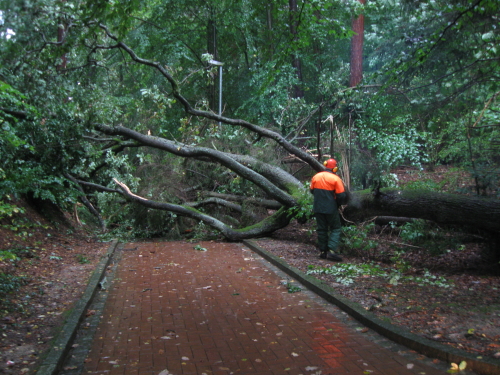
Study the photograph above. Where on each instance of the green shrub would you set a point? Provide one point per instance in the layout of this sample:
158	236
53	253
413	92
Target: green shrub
356	239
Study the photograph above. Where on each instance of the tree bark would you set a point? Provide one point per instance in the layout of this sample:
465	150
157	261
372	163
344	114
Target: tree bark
442	208
273	205
358	26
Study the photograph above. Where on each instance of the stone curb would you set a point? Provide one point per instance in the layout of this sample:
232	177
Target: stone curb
64	339
399	335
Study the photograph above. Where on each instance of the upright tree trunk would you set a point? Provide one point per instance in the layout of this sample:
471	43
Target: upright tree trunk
296	63
358	26
270	27
61	31
212	49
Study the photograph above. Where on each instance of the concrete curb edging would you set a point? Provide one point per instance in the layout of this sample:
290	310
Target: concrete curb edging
392	332
64	339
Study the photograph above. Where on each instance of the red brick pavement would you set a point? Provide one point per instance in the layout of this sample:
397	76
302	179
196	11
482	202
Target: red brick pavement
176	310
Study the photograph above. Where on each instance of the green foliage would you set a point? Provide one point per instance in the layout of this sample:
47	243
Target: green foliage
33	151
356	239
487	177
430	237
7	255
394	143
400	264
82	259
200	248
303	211
346	274
290	287
414	231
423	184
7	210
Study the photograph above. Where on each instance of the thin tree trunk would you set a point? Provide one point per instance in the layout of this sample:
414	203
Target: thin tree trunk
212	49
296	63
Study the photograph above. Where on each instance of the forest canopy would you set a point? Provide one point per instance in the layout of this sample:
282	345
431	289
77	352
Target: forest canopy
160	116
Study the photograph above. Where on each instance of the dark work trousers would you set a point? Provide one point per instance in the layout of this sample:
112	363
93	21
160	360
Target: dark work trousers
329	230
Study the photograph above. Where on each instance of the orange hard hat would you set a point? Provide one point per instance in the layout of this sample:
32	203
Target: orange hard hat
330	164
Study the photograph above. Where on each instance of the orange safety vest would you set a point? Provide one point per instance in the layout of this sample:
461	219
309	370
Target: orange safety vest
325	186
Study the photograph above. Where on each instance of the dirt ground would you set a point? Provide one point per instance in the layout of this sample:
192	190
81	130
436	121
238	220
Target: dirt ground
56	258
55	262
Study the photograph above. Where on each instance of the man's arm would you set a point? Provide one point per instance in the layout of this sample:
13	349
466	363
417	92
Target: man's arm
341	199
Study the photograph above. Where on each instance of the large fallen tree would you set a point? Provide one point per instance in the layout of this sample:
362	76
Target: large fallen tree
280	191
451	209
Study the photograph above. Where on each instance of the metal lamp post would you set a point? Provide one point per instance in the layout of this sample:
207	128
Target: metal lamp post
219	64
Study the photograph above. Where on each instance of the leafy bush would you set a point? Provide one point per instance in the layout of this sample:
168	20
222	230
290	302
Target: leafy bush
304	209
429	237
35	149
8	209
414	231
356	239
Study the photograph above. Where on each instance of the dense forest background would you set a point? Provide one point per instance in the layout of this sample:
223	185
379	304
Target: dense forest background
149	94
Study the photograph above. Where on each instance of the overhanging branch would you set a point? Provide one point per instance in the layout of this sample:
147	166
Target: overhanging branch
263	132
225	159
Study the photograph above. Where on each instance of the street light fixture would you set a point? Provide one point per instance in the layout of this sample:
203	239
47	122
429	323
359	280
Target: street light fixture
219	64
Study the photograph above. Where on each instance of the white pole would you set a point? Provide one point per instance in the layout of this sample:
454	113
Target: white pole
219	64
220	92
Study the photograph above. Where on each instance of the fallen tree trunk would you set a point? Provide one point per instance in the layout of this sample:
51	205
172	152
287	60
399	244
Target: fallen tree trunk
268	203
442	208
278	220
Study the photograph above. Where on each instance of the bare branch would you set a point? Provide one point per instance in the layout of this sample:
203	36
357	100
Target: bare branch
15	113
225	159
86	202
218	201
279	220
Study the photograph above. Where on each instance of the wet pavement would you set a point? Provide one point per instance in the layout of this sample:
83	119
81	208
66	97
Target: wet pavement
218	308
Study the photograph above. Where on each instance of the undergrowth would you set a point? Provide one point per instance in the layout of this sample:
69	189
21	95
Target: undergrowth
347	274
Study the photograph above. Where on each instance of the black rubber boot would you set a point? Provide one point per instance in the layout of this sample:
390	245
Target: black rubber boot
333	257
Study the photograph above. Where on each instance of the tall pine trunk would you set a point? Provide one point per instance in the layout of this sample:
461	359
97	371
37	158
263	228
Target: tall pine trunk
358	26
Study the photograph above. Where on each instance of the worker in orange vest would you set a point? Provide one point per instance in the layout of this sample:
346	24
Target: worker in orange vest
329	194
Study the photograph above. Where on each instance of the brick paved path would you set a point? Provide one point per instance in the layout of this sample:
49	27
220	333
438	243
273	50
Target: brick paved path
175	310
